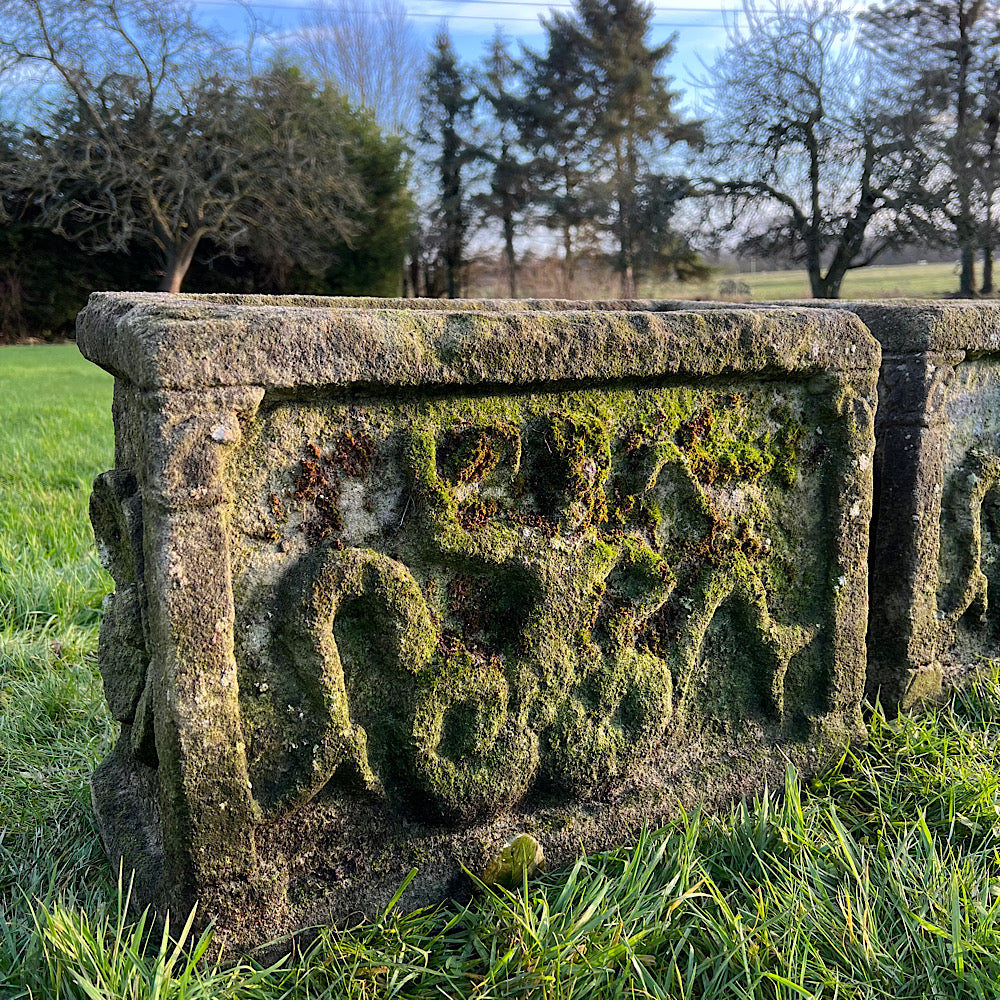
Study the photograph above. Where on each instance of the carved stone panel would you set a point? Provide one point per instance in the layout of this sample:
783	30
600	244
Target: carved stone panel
394	585
969	586
934	528
934	532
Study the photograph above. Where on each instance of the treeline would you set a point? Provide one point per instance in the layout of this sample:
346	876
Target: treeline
155	156
824	139
578	139
149	153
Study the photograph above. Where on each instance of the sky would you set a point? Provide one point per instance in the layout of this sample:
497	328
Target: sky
700	25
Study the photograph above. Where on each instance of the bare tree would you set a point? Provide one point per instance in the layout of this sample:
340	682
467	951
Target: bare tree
142	144
801	142
370	50
945	56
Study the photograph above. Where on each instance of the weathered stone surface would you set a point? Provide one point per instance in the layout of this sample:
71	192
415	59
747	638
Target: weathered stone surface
935	561
395	585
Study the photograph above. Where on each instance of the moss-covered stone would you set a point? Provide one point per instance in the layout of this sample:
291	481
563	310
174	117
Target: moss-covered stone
475	569
559	548
519	860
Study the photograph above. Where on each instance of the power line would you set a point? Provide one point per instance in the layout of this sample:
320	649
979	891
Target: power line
440	15
561	6
667	9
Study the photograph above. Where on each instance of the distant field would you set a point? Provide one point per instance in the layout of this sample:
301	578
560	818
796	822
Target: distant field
882	281
885	281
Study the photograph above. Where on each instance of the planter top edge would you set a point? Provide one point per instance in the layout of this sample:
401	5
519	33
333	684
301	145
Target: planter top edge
192	342
902	326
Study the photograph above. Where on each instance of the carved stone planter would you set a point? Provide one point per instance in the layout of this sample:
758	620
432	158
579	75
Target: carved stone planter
395	584
935	536
935	565
934	570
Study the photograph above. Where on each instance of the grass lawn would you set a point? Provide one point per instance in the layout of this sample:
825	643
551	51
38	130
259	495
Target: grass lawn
880	879
933	281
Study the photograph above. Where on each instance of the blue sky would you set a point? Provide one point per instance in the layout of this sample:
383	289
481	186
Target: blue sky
698	24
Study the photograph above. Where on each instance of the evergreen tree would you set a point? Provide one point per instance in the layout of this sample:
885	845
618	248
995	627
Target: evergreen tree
635	121
557	126
603	120
446	115
507	194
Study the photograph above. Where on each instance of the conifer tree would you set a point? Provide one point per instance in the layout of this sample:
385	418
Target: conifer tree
635	121
446	114
557	127
498	147
604	122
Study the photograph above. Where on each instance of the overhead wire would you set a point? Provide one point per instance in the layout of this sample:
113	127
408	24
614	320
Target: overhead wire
447	15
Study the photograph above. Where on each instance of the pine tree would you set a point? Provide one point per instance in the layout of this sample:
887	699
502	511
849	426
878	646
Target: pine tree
557	126
635	118
446	112
604	121
507	194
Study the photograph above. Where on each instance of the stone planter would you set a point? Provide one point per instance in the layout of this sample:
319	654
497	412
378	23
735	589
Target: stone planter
934	567
394	584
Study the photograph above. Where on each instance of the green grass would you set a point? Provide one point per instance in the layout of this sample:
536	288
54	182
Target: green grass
880	879
933	281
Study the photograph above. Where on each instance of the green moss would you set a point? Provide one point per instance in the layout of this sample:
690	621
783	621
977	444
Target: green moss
728	442
570	469
561	555
611	720
470	454
788	440
471	759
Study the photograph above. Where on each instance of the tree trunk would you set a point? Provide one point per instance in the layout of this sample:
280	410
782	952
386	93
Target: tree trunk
967	278
987	239
178	262
811	235
828	285
962	166
628	282
817	286
412	277
508	239
172	278
569	263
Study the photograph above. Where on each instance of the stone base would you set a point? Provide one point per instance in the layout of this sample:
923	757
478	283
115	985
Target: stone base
394	585
125	795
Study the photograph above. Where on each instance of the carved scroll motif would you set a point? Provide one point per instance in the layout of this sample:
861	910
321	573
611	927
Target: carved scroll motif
116	515
970	537
558	664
